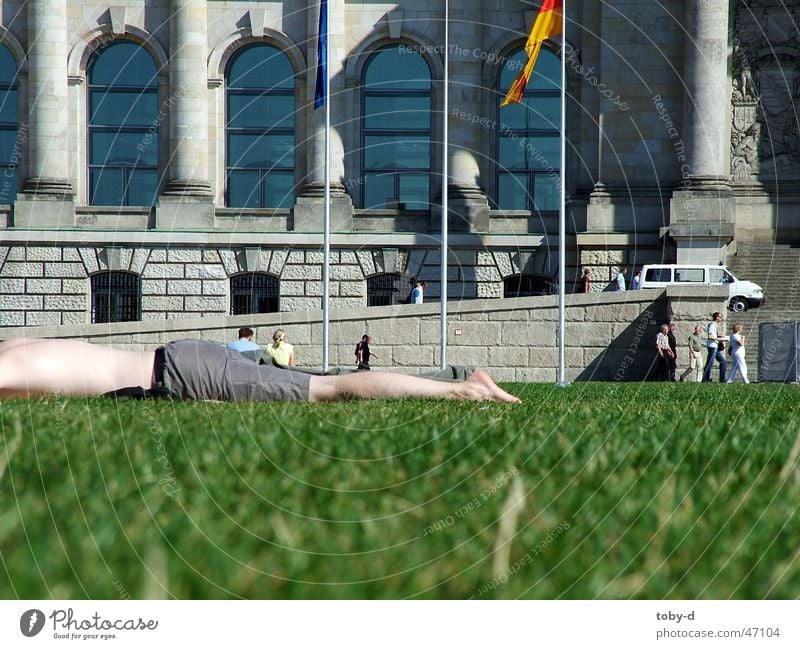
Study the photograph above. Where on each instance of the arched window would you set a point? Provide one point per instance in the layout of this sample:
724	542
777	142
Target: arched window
528	142
116	297
387	289
255	293
260	128
10	145
396	130
123	126
524	285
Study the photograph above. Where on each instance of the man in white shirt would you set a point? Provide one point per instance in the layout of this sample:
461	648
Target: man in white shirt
715	330
418	291
620	280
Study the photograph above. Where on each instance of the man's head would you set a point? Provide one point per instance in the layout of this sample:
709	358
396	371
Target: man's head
246	333
623	270
717	316
698	330
672	326
664	328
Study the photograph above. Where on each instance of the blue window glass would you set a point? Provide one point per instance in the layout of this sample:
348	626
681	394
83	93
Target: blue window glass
123	126
396	130
528	137
10	142
260	128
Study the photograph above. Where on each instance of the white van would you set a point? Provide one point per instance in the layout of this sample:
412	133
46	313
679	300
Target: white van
743	295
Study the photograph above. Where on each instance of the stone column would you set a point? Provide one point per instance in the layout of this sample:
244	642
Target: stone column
308	209
702	209
187	201
47	199
468	205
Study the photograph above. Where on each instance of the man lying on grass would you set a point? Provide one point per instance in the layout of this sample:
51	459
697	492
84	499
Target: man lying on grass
200	370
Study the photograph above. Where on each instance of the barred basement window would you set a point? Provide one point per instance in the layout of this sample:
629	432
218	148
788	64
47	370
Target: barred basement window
254	293
527	286
116	297
385	290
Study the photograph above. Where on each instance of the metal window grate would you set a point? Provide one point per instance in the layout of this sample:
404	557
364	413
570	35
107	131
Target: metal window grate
254	293
382	290
527	286
116	297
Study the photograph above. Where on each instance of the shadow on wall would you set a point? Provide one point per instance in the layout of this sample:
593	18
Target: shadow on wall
631	354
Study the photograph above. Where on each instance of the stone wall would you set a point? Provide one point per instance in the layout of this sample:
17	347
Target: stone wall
609	336
43	285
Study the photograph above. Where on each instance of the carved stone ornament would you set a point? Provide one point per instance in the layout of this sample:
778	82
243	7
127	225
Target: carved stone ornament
765	139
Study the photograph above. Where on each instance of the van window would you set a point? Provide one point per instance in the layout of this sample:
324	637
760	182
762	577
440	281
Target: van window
689	275
720	276
659	275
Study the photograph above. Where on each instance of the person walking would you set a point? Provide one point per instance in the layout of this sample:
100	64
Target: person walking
737	354
410	298
417	294
664	353
673	347
636	281
282	353
619	281
695	344
363	353
586	281
715	344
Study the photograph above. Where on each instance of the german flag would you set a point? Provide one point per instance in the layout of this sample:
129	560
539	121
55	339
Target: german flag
547	25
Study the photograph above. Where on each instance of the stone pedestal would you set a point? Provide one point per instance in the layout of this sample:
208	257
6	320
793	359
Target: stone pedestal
468	210
54	211
184	212
309	210
702	225
600	210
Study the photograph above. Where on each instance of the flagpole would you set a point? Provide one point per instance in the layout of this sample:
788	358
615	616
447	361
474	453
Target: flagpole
326	221
562	268
445	207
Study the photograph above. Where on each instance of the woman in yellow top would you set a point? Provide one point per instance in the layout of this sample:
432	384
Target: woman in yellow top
281	351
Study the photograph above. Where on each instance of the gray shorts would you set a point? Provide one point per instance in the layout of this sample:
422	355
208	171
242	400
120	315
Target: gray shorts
201	370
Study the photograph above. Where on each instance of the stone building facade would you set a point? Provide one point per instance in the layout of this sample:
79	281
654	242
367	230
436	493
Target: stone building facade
136	195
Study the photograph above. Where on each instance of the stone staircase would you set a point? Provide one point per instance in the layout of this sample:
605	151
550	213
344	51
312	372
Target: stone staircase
776	268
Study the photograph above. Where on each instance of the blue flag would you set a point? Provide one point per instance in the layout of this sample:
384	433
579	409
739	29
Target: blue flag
322	55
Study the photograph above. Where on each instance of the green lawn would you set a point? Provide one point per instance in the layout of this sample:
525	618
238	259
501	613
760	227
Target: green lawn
598	490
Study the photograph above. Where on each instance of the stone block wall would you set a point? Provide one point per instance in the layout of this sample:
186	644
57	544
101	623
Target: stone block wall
50	285
609	336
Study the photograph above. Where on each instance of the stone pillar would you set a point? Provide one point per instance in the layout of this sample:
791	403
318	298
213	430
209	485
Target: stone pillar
309	206
47	198
187	202
702	209
468	205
